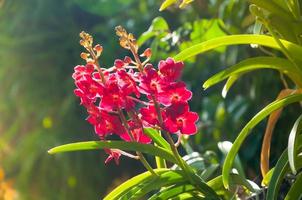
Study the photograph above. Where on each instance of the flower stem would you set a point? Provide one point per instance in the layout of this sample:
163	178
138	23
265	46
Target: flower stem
96	62
140	155
181	163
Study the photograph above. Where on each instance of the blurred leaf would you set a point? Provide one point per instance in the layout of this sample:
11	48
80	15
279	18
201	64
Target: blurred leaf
272	7
209	171
193	159
166	4
104	7
159	27
295	190
184	3
225	148
235	179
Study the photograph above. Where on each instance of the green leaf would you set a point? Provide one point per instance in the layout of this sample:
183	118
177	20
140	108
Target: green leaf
217	184
247	129
245	66
175	190
158	27
209	171
190	195
295	190
157	138
124	187
165	179
293	144
139	186
231	80
279	173
166	4
267	177
128	146
194	160
225	148
268	41
272	7
280	170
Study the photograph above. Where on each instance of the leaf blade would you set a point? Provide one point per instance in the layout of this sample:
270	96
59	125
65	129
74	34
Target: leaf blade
130	146
245	66
293	144
246	130
263	40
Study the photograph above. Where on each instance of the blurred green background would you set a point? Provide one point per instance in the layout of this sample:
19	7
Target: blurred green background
38	50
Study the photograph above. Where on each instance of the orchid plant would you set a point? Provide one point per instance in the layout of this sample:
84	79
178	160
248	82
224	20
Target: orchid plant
146	105
132	96
143	105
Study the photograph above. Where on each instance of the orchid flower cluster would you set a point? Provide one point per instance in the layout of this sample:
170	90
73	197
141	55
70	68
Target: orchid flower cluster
133	94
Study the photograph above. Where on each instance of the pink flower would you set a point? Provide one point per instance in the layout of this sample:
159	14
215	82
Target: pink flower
88	89
81	71
113	97
109	124
149	115
173	93
127	84
150	82
179	118
119	64
113	155
137	133
170	70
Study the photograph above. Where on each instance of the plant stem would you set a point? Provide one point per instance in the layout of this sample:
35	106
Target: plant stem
181	163
160	162
140	155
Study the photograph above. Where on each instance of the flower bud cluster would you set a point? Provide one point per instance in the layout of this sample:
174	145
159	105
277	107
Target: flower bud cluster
132	95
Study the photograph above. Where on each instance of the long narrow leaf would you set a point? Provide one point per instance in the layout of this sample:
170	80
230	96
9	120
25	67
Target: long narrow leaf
217	184
128	146
126	186
166	4
247	129
175	190
231	80
280	64
272	120
190	195
280	170
294	192
157	138
293	144
268	41
166	179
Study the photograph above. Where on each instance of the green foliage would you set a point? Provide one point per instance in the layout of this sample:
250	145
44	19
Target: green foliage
36	42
